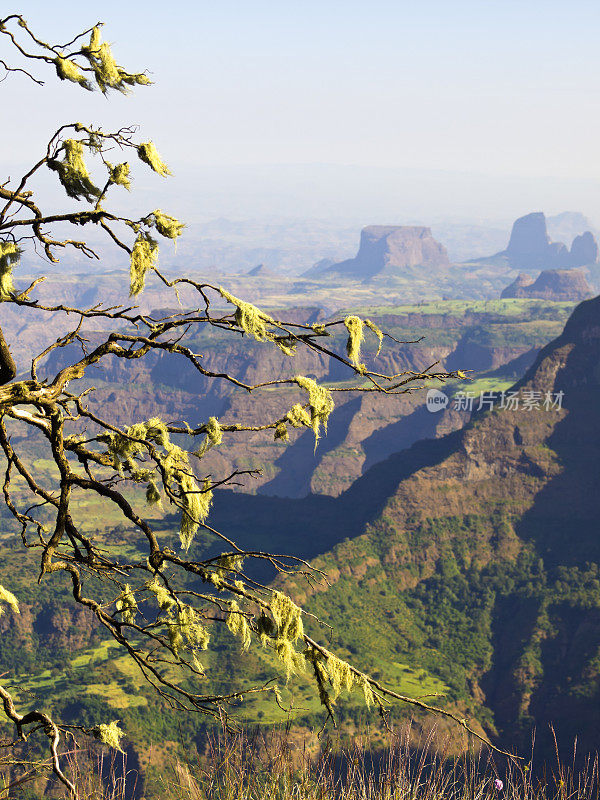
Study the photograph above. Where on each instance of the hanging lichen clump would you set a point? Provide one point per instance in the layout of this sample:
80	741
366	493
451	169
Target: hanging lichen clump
108	74
119	174
287	616
251	319
73	173
287	630
183	623
214	436
281	432
256	323
174	463
148	153
110	734
238	624
354	326
166	225
185	628
8	598
143	258
127	605
68	70
320	402
196	505
164	598
378	333
9	256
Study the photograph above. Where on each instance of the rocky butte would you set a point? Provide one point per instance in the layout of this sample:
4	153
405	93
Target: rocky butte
551	284
530	247
388	251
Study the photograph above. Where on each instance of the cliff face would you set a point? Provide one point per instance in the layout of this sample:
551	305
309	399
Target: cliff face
363	429
480	559
389	249
551	284
530	246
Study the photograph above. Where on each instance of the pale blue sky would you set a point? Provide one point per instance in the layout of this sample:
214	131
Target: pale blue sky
504	88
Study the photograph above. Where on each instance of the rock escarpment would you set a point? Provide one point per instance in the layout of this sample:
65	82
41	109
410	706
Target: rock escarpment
388	250
487	552
567	285
530	247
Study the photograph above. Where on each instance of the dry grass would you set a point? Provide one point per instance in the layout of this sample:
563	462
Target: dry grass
259	768
281	766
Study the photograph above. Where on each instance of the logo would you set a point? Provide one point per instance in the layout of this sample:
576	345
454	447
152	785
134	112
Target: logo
436	400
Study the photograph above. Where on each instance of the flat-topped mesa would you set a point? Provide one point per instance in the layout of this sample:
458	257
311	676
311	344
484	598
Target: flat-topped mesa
530	246
567	285
387	250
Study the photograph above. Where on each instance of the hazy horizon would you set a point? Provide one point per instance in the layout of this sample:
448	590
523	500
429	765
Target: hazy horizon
489	108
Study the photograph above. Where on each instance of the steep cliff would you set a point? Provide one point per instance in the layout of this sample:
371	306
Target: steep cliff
480	558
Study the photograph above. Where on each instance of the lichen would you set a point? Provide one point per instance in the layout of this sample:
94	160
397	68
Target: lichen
9	256
186	627
196	505
110	734
164	598
119	174
8	598
281	431
238	624
367	691
340	674
108	74
298	417
148	153
68	70
127	605
214	436
166	225
378	333
229	562
153	497
123	447
320	402
287	616
251	319
73	173
143	258
286	346
354	326
293	661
